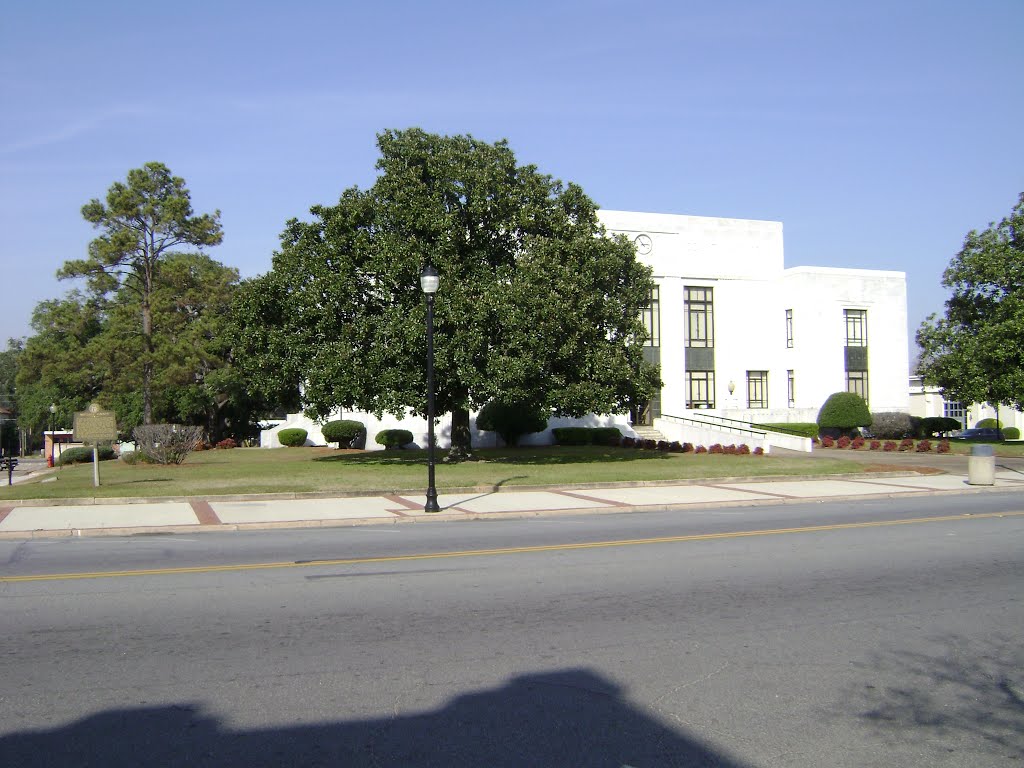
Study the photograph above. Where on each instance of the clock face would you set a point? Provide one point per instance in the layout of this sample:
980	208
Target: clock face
643	244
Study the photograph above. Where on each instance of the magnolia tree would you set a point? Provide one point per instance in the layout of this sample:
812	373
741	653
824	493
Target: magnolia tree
537	305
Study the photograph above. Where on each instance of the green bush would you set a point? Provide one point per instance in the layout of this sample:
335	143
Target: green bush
931	426
842	413
511	420
988	424
393	438
606	436
83	455
891	425
1011	433
345	432
293	437
801	428
572	435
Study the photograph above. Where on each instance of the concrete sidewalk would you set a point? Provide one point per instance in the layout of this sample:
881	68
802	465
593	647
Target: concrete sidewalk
25	519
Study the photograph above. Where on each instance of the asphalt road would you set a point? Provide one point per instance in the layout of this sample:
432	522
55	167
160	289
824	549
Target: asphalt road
877	633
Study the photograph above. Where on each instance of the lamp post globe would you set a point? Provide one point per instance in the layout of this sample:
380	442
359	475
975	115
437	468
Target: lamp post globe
430	281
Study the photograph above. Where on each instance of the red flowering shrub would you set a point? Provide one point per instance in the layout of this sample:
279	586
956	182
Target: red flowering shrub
843	442
924	446
876	444
858	442
827	442
759	451
687	447
942	447
700	449
743	450
716	448
890	445
675	447
907	444
227	442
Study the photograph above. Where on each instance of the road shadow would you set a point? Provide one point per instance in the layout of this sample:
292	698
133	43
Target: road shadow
969	695
573	718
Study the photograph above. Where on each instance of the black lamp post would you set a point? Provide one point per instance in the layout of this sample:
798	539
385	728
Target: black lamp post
53	411
429	282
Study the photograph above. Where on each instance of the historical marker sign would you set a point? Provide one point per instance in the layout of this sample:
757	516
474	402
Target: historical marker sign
95	426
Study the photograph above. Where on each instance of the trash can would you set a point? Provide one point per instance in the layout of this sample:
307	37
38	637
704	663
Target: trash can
981	466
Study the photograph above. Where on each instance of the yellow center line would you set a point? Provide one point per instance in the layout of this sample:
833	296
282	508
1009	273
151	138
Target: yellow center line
502	550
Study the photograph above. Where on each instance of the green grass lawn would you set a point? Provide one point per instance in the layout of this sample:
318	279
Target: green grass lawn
325	470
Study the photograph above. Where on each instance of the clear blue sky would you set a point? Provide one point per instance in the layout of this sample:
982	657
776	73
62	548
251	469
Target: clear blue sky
879	133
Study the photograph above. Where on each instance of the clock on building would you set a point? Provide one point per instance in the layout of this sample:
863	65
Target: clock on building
643	244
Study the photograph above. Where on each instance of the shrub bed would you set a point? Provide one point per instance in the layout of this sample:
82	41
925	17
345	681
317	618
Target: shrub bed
83	454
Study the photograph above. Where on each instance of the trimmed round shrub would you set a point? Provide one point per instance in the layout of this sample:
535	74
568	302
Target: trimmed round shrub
1011	433
842	413
924	446
988	424
891	425
83	455
932	426
345	432
572	435
942	447
393	439
511	420
293	437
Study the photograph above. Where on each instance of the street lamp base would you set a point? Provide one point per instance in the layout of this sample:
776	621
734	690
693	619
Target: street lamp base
431	505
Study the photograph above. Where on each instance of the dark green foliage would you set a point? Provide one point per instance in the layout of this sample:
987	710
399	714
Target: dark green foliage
511	420
392	439
572	435
1011	433
83	455
606	436
536	303
974	352
844	411
891	425
989	423
801	428
932	426
293	437
347	433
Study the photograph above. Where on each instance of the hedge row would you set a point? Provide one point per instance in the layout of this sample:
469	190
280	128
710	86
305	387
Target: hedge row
587	435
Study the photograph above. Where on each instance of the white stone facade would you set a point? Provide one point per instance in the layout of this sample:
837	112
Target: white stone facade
787	327
742	263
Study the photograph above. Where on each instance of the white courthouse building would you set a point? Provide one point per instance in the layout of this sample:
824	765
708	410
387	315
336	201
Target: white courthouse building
739	336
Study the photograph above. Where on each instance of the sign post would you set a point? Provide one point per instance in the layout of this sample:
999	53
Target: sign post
95	426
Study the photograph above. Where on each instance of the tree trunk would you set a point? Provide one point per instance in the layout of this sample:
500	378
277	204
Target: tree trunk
462	439
147	362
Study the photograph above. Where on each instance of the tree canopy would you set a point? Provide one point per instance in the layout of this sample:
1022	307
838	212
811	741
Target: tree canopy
536	304
143	222
86	347
975	353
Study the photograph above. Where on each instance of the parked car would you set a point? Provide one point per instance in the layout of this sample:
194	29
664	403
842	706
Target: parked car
982	434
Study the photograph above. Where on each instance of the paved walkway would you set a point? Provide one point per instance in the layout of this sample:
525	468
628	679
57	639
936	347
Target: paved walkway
23	519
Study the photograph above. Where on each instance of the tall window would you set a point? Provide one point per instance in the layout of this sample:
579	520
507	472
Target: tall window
700	321
789	328
757	389
791	388
955	410
856	327
651	316
857	381
700	389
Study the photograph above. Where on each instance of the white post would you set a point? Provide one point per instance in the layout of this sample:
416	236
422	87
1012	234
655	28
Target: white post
95	466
